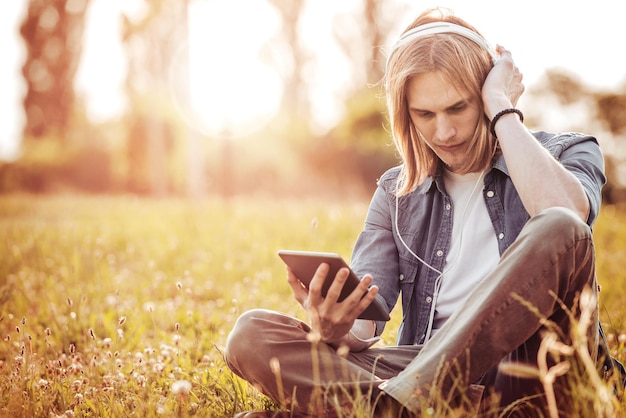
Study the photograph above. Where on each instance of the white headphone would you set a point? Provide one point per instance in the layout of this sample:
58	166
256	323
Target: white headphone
442	27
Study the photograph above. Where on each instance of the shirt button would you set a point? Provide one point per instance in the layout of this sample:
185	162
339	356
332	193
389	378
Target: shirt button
448	206
401	277
428	299
490	193
501	235
439	253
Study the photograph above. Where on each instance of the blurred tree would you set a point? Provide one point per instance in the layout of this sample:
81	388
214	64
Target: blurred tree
585	109
611	110
362	34
565	87
287	53
353	154
151	42
52	31
356	151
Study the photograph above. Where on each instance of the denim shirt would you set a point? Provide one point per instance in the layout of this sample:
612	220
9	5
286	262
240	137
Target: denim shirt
425	224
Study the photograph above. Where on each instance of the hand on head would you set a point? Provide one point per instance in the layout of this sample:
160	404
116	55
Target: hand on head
503	86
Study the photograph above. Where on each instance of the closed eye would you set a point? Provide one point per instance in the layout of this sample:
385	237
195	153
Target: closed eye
424	114
458	108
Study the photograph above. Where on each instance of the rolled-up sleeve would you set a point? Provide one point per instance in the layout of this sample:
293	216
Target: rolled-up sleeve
583	158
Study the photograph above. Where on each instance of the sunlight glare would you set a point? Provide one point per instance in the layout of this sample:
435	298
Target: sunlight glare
232	93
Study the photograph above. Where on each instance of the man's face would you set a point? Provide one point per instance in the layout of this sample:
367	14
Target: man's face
446	118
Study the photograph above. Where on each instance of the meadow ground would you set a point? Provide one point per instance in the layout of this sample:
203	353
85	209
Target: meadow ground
119	306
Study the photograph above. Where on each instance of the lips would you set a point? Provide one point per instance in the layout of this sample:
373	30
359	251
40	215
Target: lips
451	148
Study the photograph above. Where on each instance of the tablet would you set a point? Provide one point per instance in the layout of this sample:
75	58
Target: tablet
305	263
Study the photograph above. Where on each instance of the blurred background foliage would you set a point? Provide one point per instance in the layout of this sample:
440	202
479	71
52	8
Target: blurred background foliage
152	151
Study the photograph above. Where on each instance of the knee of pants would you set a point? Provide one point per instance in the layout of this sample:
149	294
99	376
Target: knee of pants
559	222
245	335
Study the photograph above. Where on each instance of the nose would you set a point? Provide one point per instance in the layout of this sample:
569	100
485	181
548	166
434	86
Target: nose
445	128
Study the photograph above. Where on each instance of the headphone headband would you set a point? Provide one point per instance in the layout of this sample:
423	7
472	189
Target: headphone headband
434	28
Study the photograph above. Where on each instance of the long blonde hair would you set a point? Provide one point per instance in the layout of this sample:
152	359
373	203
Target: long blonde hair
465	64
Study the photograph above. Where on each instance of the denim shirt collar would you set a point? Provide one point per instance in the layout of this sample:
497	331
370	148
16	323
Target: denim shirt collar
438	182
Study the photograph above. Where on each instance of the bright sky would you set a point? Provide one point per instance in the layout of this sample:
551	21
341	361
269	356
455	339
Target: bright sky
582	37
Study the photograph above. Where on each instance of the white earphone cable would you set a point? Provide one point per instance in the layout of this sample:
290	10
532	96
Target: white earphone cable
448	264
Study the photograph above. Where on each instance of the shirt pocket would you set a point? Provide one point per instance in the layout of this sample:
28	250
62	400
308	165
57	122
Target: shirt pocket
406	279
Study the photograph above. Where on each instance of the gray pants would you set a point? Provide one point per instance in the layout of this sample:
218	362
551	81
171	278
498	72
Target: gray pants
549	264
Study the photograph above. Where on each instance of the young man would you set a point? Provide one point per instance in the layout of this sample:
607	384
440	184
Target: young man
484	232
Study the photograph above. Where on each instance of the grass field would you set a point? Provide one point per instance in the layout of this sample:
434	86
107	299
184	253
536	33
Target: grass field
121	306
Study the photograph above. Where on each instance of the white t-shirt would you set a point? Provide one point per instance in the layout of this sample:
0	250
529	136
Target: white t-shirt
474	247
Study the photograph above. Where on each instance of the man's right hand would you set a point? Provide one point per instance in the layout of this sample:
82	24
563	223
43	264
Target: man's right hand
331	319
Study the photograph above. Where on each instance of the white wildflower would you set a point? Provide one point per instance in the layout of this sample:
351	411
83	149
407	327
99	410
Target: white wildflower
181	387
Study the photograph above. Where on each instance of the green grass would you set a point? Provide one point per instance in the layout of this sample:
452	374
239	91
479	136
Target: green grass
106	303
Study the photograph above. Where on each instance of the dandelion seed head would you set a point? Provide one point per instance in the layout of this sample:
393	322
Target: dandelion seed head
76	384
181	387
621	338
